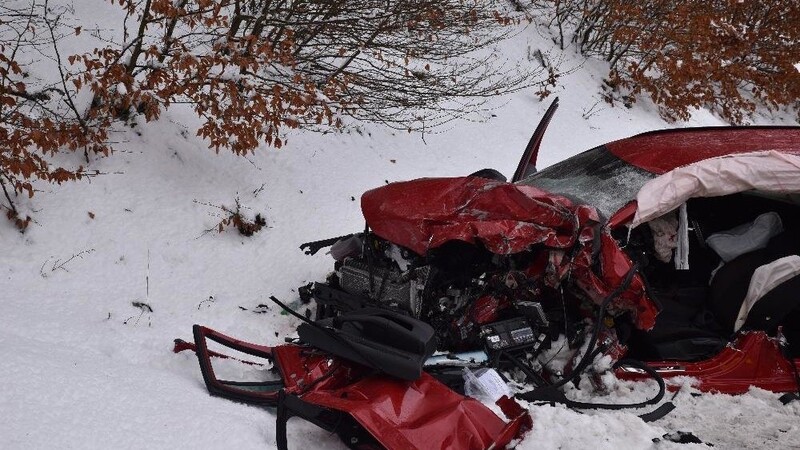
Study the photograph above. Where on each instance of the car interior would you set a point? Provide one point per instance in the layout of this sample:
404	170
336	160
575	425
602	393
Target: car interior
701	305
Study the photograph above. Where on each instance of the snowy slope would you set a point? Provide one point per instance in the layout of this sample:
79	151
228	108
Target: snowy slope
84	368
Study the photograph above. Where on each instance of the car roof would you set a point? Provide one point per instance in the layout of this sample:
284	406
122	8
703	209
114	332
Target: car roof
661	151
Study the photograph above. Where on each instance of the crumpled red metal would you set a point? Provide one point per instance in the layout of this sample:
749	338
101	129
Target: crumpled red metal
422	414
424	214
507	218
753	359
399	414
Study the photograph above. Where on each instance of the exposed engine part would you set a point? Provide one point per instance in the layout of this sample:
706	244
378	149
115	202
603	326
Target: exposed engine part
386	286
458	290
471	298
513	334
400	256
534	312
346	247
514	344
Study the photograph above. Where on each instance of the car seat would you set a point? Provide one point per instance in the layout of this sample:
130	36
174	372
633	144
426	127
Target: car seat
780	306
688	329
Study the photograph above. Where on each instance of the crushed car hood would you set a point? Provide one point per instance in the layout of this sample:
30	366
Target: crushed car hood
425	213
506	218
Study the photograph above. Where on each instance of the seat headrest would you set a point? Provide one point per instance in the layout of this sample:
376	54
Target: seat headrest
747	237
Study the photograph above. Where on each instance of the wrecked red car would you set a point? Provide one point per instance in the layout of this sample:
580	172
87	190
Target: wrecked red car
671	253
696	229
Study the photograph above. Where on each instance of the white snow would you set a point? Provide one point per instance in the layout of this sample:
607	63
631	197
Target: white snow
84	368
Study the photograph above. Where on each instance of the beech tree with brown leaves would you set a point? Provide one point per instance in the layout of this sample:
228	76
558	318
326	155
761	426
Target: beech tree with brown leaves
730	56
250	69
38	117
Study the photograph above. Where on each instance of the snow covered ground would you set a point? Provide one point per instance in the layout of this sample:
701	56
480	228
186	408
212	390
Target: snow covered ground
82	367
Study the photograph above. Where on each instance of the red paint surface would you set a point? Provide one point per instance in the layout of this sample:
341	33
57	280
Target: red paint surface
424	214
421	414
752	359
662	151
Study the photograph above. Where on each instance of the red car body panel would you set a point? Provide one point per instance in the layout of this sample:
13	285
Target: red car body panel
753	359
420	414
661	151
424	214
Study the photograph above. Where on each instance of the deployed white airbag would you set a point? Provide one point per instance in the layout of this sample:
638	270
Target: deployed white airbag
765	279
769	171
